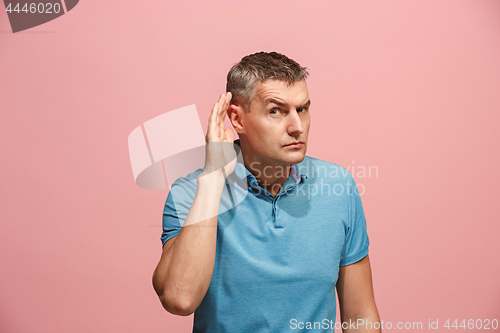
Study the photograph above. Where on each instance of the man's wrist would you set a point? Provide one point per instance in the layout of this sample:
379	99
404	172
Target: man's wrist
214	179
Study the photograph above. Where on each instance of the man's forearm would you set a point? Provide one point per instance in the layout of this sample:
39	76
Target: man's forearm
369	323
184	272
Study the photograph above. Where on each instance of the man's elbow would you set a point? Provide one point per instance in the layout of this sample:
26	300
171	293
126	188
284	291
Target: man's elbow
179	307
179	301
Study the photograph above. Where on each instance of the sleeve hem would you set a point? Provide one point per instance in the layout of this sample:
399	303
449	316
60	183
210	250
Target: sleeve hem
355	258
172	235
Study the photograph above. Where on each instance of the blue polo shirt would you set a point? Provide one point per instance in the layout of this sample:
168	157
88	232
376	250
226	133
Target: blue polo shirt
277	257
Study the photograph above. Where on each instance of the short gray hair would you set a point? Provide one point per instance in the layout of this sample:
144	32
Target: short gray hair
261	66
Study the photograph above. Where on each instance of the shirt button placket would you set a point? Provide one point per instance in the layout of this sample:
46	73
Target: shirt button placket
277	222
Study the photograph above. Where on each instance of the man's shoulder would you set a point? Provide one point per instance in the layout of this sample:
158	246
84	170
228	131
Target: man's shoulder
189	181
315	167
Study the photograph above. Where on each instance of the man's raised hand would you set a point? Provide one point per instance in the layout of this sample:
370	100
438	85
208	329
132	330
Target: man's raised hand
220	156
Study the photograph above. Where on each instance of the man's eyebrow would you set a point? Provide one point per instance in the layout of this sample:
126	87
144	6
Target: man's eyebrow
274	101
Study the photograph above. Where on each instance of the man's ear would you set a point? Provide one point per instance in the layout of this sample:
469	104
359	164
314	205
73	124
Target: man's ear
236	115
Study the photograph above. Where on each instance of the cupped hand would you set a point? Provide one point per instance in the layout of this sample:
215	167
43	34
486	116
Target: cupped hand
220	156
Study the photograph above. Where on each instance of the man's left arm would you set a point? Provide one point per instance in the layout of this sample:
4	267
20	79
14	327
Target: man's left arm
356	299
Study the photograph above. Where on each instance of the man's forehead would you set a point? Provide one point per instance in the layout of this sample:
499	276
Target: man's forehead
272	91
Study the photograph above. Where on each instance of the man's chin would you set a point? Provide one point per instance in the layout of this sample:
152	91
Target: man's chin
294	158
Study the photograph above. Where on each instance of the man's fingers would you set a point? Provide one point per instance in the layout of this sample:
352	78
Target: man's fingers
212	124
220	119
228	99
216	126
224	109
220	103
221	115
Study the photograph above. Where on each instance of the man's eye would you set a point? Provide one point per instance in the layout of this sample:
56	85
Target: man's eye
274	111
301	109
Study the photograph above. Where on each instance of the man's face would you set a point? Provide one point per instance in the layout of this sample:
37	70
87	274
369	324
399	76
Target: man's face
278	117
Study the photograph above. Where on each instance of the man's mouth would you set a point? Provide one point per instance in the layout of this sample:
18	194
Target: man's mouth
297	144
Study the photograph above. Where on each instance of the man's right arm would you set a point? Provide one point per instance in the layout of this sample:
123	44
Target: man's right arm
184	272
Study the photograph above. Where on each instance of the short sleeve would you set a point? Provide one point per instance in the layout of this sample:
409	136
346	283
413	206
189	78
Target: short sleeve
356	242
177	206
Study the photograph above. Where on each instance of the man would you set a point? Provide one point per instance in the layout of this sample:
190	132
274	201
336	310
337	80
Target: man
269	261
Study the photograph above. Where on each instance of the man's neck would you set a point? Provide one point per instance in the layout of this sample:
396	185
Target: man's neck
269	176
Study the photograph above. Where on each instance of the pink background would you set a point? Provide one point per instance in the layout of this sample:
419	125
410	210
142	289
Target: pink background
411	87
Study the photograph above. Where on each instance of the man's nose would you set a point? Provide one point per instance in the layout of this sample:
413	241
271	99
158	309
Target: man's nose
295	126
